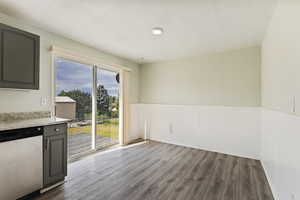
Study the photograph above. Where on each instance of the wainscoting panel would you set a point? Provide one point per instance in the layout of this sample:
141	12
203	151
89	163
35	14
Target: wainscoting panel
280	153
230	130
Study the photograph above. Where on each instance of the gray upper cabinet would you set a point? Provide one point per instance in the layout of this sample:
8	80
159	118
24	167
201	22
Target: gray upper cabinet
19	58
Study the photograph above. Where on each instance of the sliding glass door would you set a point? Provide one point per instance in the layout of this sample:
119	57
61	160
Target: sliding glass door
107	132
74	100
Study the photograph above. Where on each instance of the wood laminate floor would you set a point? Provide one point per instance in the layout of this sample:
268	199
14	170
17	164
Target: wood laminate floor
158	171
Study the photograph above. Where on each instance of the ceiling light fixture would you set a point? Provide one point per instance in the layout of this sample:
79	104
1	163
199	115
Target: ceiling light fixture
157	31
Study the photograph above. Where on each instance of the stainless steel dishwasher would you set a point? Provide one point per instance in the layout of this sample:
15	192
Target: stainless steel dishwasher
21	162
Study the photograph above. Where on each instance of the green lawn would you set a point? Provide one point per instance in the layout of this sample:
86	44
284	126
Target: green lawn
109	128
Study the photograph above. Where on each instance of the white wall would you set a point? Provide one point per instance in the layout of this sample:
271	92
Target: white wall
280	152
136	122
280	84
24	101
230	78
231	130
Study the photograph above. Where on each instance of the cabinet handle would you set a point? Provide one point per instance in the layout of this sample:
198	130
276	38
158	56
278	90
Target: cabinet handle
47	144
57	129
45	147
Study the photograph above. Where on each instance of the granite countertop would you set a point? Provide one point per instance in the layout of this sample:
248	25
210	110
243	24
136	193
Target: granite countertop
16	124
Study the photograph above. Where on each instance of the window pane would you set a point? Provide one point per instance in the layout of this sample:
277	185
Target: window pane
107	108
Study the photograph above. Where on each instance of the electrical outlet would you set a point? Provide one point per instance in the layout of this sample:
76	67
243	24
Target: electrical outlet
294	104
43	101
170	128
293	197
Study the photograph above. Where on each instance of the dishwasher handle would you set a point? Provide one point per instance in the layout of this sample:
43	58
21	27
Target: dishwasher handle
18	134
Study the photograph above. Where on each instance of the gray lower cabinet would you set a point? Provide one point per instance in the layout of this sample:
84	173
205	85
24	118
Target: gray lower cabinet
55	154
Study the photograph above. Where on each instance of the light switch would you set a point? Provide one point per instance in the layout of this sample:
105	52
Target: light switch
43	101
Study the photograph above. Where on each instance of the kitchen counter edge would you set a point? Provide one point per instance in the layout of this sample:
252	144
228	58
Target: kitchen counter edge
18	124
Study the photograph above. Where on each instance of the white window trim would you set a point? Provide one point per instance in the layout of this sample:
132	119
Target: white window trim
58	52
68	54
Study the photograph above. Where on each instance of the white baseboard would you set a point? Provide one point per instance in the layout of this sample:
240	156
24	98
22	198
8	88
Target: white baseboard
269	181
196	147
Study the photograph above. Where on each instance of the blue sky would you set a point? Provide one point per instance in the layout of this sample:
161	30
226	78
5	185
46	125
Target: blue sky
71	75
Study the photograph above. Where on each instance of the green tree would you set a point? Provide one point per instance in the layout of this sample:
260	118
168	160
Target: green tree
83	102
103	101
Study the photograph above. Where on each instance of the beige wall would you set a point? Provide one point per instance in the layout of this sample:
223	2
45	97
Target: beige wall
23	101
231	79
281	59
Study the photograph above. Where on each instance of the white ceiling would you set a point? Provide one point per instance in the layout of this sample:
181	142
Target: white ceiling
123	27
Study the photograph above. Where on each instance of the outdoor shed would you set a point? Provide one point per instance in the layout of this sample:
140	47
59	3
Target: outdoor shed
65	107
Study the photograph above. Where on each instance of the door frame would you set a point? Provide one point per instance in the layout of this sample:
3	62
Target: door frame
57	52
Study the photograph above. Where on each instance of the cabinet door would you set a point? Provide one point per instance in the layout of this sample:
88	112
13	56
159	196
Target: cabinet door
55	159
19	56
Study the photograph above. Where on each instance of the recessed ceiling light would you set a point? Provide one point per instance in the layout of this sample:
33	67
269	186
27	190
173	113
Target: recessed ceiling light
157	31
